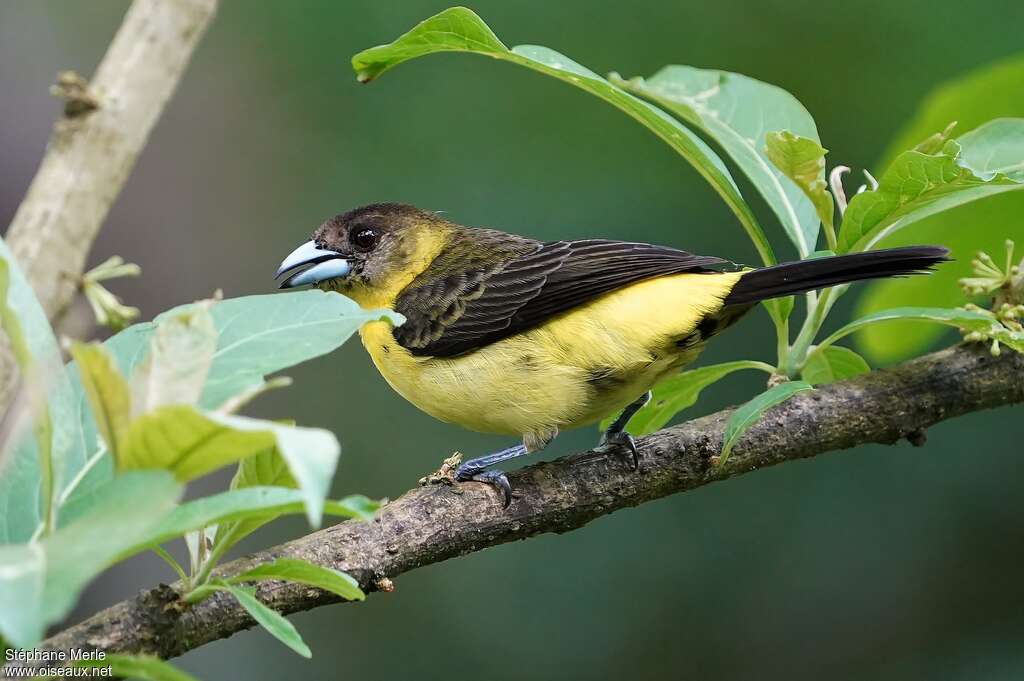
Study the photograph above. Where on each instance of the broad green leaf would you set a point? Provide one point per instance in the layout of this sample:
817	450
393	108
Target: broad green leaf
833	363
992	91
737	112
22	576
748	414
266	468
295	570
961	319
180	355
106	392
21	476
189	444
141	667
311	455
261	504
276	625
984	226
460	30
680	392
133	504
802	160
257	335
918	185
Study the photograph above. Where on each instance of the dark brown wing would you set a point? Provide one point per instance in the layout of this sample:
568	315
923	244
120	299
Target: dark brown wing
464	311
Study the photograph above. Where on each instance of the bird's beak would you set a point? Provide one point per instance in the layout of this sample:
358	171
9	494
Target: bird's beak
325	265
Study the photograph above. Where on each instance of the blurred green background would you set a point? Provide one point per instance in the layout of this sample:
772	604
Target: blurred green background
878	563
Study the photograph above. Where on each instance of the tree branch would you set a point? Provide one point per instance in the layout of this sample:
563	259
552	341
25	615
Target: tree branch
432	524
93	147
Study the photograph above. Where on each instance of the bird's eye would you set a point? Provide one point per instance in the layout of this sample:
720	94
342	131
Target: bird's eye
365	239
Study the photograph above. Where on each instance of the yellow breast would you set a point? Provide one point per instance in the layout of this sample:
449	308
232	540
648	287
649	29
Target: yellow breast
570	371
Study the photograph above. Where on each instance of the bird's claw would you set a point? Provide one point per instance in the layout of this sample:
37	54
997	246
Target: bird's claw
621	439
495	478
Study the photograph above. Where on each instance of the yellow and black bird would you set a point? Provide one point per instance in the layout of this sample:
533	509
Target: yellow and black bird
509	335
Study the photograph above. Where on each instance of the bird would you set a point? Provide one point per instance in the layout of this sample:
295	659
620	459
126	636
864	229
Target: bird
509	335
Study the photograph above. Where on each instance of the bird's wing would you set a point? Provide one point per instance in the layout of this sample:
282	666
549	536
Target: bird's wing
472	308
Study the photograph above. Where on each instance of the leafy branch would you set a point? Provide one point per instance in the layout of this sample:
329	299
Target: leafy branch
431	524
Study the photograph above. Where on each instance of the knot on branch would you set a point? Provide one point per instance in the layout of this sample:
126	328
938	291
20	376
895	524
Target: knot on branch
73	89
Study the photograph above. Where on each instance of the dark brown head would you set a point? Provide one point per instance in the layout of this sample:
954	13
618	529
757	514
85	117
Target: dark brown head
369	253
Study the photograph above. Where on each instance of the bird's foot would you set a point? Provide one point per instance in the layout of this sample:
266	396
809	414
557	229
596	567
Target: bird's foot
620	439
445	474
495	478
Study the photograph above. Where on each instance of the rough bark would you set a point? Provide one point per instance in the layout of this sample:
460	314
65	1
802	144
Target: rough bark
431	524
93	147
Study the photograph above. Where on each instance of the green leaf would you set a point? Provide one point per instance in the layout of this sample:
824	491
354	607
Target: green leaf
266	468
257	335
983	225
984	162
736	112
276	625
258	504
22	576
187	443
991	91
142	667
311	455
680	392
34	468
748	414
460	30
833	363
302	572
106	392
41	582
180	354
962	319
802	160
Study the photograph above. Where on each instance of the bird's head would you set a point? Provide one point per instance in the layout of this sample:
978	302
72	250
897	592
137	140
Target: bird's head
370	253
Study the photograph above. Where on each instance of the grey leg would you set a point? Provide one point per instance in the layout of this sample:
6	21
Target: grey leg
616	434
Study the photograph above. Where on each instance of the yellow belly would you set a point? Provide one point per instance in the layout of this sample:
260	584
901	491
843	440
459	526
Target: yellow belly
576	368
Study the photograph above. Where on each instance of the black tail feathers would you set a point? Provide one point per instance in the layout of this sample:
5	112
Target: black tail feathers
807	275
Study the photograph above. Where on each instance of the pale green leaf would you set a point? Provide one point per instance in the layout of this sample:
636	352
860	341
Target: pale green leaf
22	481
180	355
680	392
276	625
302	572
265	469
132	505
748	414
460	30
919	185
984	226
992	91
106	392
257	335
311	455
258	503
961	319
802	160
833	363
187	443
22	576
141	667
737	112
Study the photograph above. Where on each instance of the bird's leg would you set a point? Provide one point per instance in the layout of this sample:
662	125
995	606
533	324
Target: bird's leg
616	435
474	469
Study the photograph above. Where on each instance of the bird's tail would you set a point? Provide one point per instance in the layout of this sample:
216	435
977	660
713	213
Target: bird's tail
807	275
